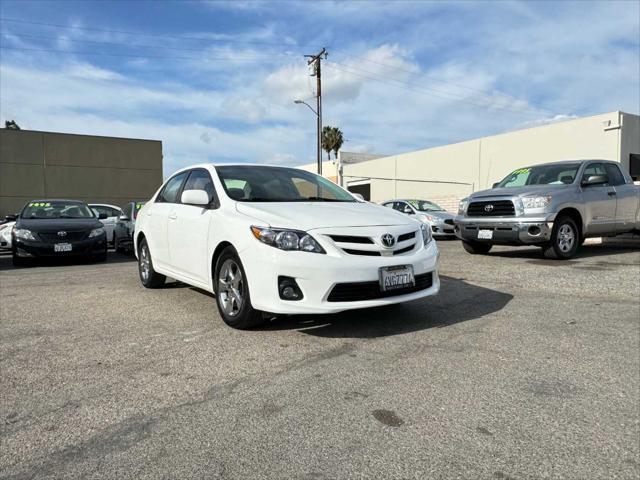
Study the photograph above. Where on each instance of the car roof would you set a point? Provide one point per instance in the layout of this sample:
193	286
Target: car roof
103	205
570	162
56	200
236	164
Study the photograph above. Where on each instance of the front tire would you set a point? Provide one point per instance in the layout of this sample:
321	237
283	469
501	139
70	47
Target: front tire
476	248
565	239
19	261
148	276
232	292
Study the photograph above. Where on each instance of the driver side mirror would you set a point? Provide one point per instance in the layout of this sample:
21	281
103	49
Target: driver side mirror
593	180
195	197
10	218
123	218
408	210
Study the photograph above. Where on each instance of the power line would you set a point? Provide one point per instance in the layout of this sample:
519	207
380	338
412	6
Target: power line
425	90
167	57
143	34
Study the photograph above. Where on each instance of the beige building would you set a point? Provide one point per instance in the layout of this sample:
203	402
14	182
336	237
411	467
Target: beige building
80	167
448	173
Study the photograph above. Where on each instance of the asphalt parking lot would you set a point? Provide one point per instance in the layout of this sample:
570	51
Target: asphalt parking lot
521	368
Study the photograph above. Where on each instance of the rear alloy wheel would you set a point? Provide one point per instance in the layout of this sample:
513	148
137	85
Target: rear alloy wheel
232	292
565	239
148	276
476	248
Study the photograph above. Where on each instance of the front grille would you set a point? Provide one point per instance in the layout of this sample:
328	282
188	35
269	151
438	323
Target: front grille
350	239
449	221
53	237
369	253
501	208
358	291
406	236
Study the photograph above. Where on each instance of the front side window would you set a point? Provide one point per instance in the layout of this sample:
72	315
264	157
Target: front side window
425	206
57	209
614	174
169	193
200	180
278	184
552	174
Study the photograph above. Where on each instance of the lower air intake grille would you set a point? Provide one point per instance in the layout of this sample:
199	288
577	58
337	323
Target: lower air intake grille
358	291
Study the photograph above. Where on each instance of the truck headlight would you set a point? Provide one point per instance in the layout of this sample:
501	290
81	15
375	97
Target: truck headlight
285	239
536	201
23	234
426	233
462	207
96	232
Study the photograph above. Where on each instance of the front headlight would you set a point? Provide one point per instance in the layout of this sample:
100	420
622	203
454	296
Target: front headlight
23	234
426	234
536	201
96	232
287	239
462	206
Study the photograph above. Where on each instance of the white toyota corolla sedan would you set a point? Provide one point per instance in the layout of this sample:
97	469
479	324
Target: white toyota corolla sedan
282	241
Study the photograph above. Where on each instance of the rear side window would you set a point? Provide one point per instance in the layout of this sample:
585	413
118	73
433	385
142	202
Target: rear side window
615	176
169	193
200	180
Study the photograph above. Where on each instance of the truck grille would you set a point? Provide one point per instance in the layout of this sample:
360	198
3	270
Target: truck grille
495	208
358	291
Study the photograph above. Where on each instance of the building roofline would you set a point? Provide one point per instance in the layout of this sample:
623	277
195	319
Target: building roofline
79	135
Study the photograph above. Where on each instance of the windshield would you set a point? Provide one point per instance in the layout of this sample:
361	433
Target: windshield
425	206
278	184
57	209
559	174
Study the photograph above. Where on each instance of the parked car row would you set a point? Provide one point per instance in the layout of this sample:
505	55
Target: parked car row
62	228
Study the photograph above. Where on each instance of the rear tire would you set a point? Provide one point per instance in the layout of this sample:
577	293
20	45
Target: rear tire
476	248
232	292
565	240
148	276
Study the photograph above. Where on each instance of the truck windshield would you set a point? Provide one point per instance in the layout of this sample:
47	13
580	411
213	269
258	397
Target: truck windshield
252	183
558	174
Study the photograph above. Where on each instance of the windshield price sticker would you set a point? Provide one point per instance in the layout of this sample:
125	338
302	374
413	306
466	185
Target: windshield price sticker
40	204
522	171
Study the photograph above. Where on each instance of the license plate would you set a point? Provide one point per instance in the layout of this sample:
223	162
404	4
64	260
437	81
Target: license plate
62	247
392	278
485	234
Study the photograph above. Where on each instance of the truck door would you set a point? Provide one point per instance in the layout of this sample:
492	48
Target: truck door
627	199
599	202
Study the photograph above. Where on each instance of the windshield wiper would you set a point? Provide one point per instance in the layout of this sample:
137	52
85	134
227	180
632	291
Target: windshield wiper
321	199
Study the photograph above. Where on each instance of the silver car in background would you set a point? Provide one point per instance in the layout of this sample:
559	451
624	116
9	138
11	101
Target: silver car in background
440	221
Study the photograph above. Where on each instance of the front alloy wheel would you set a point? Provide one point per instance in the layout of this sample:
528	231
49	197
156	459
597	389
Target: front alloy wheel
232	292
148	276
565	239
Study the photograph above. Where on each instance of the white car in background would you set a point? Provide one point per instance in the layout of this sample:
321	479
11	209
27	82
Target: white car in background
5	235
112	212
440	221
280	240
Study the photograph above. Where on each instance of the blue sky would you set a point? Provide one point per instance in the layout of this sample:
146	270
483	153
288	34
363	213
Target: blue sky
216	80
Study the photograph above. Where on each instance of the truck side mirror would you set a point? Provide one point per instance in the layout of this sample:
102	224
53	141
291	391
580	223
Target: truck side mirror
593	180
495	185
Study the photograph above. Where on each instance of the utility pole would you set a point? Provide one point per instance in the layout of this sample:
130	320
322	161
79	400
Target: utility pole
315	60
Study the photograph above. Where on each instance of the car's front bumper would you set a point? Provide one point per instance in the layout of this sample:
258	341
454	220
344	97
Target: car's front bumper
30	248
317	275
516	231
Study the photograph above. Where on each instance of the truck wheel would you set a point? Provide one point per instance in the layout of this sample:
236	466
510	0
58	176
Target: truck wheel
476	248
232	292
148	276
565	239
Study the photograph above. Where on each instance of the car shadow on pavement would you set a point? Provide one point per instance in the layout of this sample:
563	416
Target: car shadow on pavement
112	257
458	301
585	251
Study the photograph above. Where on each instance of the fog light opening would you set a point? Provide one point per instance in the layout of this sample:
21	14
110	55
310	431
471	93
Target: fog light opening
534	230
289	289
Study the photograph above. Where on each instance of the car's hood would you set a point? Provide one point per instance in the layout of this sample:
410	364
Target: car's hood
517	191
310	215
440	214
51	224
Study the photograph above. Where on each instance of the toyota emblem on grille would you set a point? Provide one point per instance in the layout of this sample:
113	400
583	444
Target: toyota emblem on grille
388	240
488	208
62	233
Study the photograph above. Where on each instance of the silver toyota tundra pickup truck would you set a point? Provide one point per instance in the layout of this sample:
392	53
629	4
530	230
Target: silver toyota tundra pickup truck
554	205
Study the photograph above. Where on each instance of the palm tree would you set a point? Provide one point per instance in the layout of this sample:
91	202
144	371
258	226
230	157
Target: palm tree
331	140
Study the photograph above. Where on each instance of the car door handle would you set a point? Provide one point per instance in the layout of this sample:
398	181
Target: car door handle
611	194
173	216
